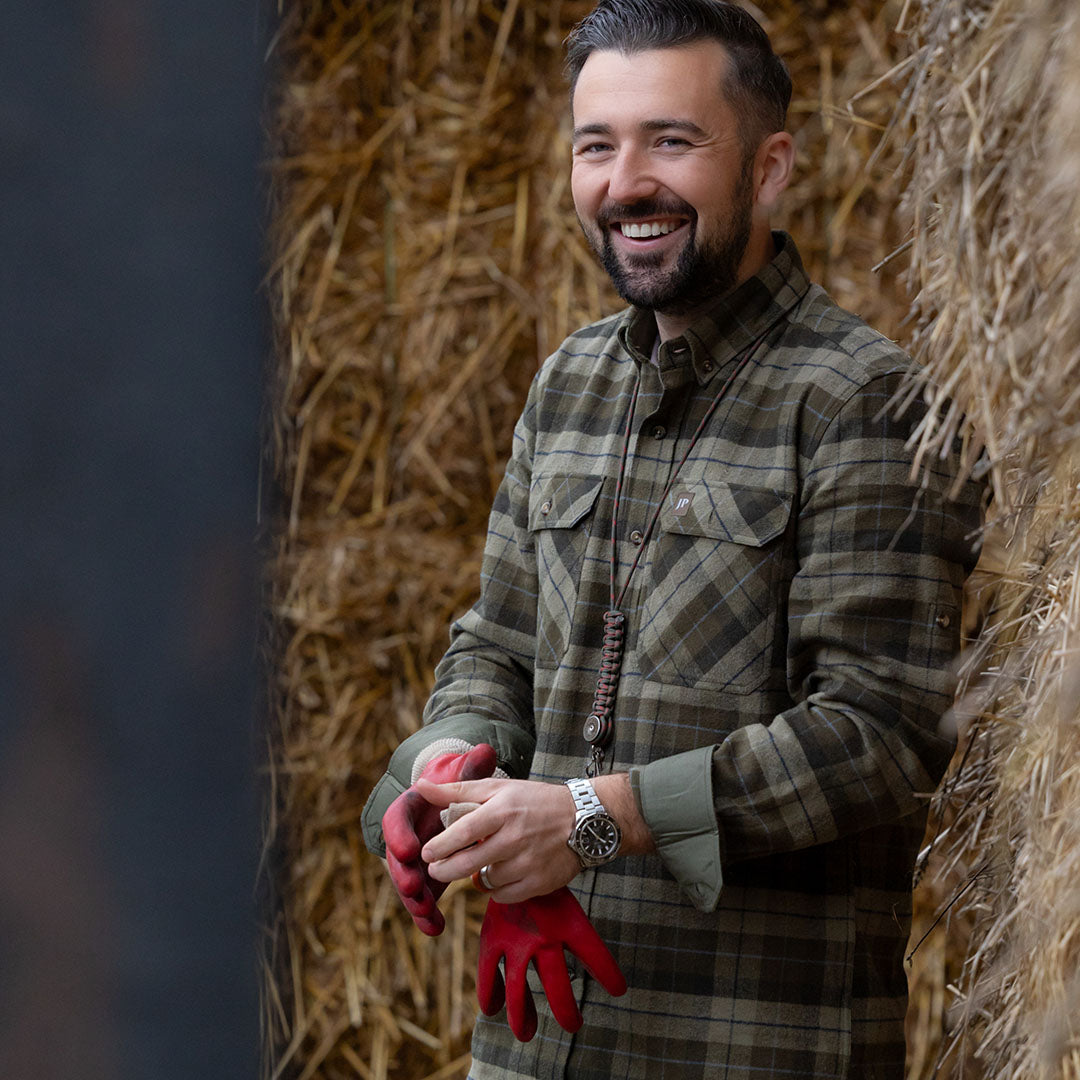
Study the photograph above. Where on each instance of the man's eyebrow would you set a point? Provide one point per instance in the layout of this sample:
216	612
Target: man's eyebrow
674	125
662	124
591	129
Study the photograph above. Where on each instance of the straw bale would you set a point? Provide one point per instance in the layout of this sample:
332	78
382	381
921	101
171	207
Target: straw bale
424	259
992	99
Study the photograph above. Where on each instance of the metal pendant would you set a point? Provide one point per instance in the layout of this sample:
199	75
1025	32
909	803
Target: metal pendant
598	730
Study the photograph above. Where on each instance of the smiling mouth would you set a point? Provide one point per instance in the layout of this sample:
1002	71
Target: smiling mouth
646	230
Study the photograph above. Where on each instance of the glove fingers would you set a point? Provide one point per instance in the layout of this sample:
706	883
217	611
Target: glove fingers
581	938
413	882
599	962
551	967
490	991
409	878
400	826
520	1009
478	763
426	914
432	925
489	982
419	894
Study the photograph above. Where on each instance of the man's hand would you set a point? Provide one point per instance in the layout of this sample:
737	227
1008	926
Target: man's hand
520	831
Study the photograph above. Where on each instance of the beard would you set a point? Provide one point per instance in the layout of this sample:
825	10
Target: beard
704	268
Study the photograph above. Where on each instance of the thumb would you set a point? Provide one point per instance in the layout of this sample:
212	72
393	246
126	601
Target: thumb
474	791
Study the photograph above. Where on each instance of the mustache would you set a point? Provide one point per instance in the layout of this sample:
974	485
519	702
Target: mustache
643	209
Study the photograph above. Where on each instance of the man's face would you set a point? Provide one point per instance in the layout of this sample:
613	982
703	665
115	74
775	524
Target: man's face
661	183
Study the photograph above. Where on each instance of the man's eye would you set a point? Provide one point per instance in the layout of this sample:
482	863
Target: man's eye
594	148
673	140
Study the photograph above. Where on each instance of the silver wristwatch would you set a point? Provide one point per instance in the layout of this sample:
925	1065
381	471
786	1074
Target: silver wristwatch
596	836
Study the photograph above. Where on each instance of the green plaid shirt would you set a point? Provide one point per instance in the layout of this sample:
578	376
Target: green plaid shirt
789	634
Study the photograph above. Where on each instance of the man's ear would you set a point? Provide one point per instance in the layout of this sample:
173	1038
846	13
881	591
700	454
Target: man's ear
774	164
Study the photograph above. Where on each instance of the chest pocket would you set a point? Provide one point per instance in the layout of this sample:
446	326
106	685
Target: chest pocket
709	613
560	520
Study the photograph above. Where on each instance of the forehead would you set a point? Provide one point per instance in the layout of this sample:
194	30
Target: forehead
686	82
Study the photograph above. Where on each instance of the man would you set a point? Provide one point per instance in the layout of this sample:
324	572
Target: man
771	628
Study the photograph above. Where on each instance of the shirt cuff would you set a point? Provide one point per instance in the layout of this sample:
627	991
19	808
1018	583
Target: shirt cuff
675	798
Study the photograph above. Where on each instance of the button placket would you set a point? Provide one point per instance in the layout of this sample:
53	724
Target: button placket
654	453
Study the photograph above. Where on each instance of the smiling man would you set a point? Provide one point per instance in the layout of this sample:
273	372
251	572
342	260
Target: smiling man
716	621
671	193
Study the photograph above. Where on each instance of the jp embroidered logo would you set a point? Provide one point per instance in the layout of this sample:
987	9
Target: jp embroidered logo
681	502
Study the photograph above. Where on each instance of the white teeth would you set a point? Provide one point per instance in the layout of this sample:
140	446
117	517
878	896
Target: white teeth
649	228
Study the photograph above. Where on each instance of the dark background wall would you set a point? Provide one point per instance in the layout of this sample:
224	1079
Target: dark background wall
131	359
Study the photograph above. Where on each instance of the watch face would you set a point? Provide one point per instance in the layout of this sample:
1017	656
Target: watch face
598	837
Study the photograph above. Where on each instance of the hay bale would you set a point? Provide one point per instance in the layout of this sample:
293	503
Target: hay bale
992	99
425	258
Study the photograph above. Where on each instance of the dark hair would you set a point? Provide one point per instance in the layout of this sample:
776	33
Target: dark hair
758	85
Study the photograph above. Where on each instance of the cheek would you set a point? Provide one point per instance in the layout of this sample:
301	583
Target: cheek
587	193
705	185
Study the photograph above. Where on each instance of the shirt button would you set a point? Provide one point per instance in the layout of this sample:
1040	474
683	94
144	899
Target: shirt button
706	365
546	508
636	538
943	621
659	431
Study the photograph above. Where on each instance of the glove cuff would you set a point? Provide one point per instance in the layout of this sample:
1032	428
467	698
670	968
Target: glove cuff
449	745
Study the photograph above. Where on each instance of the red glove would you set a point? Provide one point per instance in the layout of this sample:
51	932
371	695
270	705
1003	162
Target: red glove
537	930
411	821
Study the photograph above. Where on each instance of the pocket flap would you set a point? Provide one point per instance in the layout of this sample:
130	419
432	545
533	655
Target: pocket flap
560	502
732	512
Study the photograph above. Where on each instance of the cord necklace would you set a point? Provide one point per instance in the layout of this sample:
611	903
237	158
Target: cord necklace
599	728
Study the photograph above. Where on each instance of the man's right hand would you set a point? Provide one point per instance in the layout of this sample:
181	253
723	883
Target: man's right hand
411	821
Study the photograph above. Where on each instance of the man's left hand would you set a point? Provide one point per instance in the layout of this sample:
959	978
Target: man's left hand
519	831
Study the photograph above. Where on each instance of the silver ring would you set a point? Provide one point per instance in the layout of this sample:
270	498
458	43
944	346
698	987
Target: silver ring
484	879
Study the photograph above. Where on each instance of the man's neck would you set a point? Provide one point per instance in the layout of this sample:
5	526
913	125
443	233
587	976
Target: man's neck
672	326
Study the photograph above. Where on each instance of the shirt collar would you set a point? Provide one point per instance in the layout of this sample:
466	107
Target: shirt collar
732	321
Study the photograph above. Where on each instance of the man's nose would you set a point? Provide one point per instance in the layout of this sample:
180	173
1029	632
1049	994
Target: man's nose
631	178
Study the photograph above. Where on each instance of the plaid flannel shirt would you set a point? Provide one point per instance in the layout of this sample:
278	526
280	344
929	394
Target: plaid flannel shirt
789	635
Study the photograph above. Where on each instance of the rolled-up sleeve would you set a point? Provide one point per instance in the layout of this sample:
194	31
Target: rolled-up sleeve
674	796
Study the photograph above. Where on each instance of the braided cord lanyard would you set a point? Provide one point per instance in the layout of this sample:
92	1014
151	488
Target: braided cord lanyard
599	729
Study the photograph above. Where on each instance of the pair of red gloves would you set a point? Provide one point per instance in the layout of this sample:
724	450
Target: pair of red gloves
535	931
